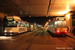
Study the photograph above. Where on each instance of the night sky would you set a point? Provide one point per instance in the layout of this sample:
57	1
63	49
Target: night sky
38	20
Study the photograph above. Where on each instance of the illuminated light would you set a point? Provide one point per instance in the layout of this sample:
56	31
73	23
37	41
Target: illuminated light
14	21
67	7
68	16
5	31
58	22
4	38
10	31
5	34
64	12
46	23
9	19
49	20
65	31
29	16
60	18
58	31
10	34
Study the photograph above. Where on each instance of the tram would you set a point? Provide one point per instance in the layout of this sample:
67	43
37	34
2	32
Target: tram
58	26
14	25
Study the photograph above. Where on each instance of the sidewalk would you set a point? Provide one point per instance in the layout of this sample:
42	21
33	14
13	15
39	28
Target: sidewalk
71	35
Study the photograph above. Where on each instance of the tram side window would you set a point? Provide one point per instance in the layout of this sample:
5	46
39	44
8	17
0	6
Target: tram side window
27	25
55	24
23	24
51	24
19	24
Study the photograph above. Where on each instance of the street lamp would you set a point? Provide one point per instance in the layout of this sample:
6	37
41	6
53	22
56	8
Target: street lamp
49	20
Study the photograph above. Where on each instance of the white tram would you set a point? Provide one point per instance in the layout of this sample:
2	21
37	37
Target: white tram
14	25
58	26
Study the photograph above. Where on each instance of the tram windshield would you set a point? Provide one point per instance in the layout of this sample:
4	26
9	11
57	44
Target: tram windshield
60	24
11	23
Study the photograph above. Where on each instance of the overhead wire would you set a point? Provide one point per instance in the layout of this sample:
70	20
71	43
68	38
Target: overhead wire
16	5
48	6
62	5
52	5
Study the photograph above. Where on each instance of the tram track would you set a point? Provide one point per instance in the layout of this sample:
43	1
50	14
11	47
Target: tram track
27	39
62	39
20	36
39	33
66	42
71	37
33	39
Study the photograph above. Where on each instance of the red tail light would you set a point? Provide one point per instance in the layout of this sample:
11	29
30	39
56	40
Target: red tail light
58	31
66	31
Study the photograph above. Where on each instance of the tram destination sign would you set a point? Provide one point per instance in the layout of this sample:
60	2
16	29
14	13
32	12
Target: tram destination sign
61	18
10	19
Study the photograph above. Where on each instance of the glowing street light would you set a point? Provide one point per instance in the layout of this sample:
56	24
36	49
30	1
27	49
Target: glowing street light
49	20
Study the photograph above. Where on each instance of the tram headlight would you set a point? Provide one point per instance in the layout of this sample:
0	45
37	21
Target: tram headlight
5	31
4	34
10	31
10	34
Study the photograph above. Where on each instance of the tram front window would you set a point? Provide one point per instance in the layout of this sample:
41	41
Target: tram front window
60	24
11	23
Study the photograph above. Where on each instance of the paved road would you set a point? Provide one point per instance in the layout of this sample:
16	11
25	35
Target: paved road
37	40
